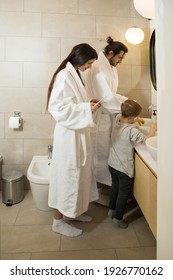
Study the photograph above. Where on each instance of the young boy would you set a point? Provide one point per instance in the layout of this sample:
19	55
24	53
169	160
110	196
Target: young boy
121	158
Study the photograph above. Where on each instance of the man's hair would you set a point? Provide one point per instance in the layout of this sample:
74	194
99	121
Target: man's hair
115	46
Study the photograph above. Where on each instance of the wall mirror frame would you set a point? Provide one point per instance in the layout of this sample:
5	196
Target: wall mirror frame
153	60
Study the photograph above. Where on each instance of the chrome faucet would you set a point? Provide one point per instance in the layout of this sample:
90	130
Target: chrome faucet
50	149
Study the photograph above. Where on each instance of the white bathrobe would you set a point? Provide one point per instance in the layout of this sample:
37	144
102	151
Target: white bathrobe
101	81
72	182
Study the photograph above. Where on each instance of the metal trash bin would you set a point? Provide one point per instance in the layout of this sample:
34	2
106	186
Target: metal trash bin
12	187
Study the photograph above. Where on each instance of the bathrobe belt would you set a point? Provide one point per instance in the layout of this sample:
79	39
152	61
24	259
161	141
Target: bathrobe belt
84	148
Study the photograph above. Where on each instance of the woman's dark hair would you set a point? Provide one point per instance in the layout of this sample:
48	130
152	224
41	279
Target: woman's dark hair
78	56
115	46
130	108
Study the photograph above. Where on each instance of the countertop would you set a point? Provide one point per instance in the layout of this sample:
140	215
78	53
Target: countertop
147	158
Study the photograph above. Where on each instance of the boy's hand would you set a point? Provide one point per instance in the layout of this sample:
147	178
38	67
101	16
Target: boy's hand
140	121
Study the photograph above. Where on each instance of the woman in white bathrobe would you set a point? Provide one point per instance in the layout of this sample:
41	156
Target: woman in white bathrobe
101	82
72	183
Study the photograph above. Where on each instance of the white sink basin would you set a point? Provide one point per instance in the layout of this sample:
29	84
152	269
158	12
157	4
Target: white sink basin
144	128
151	144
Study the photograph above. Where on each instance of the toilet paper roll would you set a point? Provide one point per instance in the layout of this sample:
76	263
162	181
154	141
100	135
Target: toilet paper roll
14	122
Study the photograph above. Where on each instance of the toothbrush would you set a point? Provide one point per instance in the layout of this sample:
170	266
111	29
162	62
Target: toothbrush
100	101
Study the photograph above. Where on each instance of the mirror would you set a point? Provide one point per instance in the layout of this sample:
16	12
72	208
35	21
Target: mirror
153	61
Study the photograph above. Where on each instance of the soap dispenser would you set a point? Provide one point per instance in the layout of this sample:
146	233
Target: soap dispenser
154	115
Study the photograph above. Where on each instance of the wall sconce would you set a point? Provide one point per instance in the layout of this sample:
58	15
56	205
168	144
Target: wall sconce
134	35
145	8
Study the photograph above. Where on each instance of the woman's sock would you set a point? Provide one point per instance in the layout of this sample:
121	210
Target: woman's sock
59	226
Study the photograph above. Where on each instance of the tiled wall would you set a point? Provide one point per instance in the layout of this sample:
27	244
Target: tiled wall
35	35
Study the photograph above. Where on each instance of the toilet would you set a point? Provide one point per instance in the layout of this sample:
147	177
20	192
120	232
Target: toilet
38	174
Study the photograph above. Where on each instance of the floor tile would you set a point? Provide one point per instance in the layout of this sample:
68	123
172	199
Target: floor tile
28	199
25	233
30	215
143	232
29	239
141	253
9	214
18	256
107	254
98	212
99	236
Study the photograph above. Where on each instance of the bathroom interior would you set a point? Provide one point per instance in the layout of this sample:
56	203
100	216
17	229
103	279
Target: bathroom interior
35	36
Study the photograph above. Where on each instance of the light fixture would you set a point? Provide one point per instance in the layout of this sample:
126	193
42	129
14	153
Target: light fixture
134	35
145	8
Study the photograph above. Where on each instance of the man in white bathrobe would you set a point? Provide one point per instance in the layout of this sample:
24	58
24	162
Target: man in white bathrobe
72	183
101	83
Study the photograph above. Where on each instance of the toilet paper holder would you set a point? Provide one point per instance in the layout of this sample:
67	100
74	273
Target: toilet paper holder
17	114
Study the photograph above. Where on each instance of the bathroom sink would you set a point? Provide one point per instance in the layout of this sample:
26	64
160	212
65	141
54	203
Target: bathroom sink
151	144
144	128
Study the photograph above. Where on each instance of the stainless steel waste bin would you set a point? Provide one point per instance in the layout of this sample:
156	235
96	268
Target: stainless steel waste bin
12	187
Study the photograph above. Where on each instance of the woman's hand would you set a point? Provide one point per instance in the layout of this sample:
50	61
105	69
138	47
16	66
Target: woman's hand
95	104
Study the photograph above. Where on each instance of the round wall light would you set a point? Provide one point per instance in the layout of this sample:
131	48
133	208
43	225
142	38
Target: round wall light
145	8
134	35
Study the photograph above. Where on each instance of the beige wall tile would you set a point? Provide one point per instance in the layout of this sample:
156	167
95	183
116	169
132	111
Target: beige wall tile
1	127
20	99
44	99
78	26
44	102
12	151
140	77
33	49
2	48
102	7
38	74
124	74
68	43
20	24
117	27
35	147
143	24
11	5
111	26
137	54
51	6
37	126
10	74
